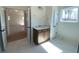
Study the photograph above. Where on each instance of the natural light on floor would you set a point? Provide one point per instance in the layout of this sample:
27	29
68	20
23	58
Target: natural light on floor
50	48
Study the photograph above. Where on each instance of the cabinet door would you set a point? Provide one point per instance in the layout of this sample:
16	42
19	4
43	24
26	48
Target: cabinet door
46	35
41	37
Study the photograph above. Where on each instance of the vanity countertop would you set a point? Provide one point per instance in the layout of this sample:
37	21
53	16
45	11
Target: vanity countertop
41	28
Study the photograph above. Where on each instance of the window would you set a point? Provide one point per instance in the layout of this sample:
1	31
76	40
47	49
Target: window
69	15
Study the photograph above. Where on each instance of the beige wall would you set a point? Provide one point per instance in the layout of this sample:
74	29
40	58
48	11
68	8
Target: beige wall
40	16
16	21
65	30
48	14
68	31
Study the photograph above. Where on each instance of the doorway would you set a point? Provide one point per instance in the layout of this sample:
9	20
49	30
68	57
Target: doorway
15	25
15	28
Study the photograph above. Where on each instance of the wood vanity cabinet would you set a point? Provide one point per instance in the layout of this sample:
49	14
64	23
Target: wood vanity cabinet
40	36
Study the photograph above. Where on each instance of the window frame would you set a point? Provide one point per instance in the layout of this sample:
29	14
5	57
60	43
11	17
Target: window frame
71	20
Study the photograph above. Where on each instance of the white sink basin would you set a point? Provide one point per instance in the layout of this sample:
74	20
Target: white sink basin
41	28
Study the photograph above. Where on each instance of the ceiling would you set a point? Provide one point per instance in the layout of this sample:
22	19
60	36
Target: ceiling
17	7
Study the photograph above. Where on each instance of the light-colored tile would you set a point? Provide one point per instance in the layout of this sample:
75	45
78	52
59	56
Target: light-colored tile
65	46
56	45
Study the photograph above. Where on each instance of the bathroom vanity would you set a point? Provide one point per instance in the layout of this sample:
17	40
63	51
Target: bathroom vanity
40	34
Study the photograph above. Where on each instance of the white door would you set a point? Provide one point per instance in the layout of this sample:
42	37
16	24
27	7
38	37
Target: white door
54	22
3	29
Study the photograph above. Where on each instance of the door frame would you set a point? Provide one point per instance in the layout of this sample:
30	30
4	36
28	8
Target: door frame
28	22
1	41
3	44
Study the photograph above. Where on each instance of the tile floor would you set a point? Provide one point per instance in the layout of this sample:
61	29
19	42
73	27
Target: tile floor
52	46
